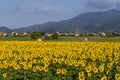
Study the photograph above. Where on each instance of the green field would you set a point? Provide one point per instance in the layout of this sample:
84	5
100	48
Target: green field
66	38
15	39
90	39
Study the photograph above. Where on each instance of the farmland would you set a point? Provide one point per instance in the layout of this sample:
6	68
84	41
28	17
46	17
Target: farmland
66	39
33	60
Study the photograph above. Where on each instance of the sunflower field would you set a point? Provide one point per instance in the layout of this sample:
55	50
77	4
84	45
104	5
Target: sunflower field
32	60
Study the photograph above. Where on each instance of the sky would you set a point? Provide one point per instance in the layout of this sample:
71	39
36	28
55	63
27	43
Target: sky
23	13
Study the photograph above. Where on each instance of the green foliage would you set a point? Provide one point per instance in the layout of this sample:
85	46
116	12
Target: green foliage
14	35
113	34
35	35
55	36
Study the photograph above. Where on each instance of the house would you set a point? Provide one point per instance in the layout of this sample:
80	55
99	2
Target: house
47	34
77	34
59	33
102	34
3	34
14	34
26	34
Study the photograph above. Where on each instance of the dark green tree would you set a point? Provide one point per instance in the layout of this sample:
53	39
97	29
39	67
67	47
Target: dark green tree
35	35
42	33
55	36
14	34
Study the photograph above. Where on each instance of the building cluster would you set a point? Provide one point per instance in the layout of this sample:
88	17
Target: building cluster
12	34
102	34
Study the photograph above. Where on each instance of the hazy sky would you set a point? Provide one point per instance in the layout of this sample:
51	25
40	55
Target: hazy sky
22	13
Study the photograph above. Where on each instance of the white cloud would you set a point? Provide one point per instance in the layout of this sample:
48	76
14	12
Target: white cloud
37	7
103	4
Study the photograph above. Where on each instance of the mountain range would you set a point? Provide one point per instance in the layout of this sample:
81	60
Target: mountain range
108	21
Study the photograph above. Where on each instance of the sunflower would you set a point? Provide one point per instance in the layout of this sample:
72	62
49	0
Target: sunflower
81	73
76	64
108	72
110	58
104	58
81	77
95	69
46	63
88	69
34	61
94	64
89	74
83	63
101	68
117	76
104	78
5	65
109	65
54	60
34	69
63	71
30	65
40	68
16	67
58	71
25	67
118	68
4	75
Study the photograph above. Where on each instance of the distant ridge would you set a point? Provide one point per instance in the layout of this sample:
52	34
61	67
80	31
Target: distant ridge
108	21
34	28
5	29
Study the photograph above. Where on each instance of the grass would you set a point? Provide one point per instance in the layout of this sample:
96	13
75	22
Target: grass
90	39
66	39
15	39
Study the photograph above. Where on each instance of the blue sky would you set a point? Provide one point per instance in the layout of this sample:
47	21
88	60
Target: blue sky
22	13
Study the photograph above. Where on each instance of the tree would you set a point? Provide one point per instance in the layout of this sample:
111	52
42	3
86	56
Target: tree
14	34
35	35
55	36
42	33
